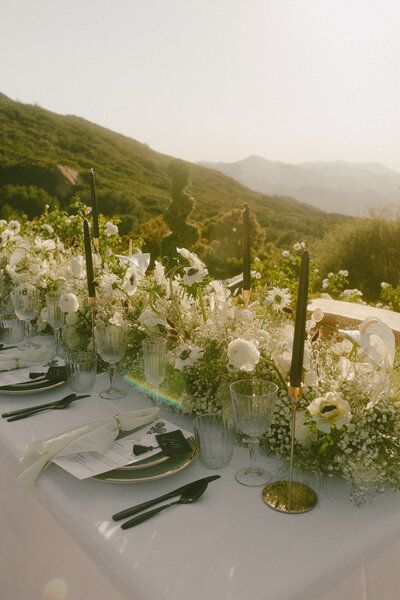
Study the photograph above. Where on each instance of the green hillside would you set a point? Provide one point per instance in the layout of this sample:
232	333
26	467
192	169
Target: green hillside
132	179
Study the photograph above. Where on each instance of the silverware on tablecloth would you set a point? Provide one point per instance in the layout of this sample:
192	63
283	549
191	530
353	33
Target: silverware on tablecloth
2	348
128	512
192	493
57	405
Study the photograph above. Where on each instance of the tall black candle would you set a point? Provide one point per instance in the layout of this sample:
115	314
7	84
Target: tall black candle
89	260
296	367
95	208
246	248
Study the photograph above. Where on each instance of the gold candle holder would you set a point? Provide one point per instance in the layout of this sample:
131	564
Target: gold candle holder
290	496
92	304
246	297
96	245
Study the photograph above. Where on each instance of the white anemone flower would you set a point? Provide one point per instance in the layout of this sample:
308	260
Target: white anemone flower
376	338
111	228
185	356
14	226
194	275
243	354
192	258
68	303
278	298
117	319
328	410
149	318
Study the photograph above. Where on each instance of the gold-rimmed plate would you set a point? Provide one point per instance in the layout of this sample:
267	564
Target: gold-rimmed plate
151	461
166	468
30	387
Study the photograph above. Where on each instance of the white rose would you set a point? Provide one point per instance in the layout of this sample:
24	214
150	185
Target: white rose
68	302
110	228
328	410
76	265
243	354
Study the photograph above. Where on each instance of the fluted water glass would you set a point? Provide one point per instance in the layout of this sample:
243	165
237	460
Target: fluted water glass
26	304
253	406
111	341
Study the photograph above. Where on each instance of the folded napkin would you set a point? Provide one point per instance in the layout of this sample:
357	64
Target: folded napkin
92	437
27	358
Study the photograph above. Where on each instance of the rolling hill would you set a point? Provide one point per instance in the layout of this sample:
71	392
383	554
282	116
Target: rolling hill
45	153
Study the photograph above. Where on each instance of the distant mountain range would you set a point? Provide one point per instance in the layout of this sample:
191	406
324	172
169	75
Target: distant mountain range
338	186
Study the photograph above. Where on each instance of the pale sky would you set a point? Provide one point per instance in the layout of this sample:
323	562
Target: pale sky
289	80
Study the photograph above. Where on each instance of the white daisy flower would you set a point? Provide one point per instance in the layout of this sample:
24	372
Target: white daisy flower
278	298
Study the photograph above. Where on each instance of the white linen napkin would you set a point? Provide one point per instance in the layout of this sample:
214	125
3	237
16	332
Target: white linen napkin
92	437
27	358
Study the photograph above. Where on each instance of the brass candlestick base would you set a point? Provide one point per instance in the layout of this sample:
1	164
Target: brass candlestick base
290	496
276	495
246	297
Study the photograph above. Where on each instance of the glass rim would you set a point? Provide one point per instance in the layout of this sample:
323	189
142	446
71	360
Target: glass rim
273	387
154	341
216	418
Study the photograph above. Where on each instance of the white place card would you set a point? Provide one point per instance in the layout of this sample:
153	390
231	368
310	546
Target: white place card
119	454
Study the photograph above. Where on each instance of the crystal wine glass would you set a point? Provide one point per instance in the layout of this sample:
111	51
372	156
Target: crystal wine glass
154	359
111	342
253	406
55	317
26	303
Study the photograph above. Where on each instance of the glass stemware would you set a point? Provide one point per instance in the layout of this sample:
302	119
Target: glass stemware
253	406
26	303
55	318
111	342
154	359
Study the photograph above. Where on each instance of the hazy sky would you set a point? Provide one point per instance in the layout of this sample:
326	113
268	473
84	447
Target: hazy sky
290	80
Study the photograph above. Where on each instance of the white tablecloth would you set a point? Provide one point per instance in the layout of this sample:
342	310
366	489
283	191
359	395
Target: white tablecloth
58	542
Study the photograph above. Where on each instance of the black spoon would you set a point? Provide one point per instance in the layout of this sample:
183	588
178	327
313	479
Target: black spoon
191	494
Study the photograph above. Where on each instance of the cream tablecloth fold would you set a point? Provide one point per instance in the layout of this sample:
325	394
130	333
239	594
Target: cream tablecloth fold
27	358
92	437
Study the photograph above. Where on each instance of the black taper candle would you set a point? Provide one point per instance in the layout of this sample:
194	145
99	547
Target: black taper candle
246	248
89	260
95	207
296	367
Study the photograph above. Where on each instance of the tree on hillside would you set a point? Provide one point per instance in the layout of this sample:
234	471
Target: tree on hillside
182	234
29	201
221	243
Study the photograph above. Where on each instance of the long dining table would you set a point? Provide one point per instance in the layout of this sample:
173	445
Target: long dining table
59	542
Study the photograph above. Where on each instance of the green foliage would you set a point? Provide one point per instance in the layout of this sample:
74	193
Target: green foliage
31	201
183	234
369	249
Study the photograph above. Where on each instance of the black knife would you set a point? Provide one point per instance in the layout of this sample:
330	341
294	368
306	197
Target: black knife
135	509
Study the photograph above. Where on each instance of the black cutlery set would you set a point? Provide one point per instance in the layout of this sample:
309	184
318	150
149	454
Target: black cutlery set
188	493
22	413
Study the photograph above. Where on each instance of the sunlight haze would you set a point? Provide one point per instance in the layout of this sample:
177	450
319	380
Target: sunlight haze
216	80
